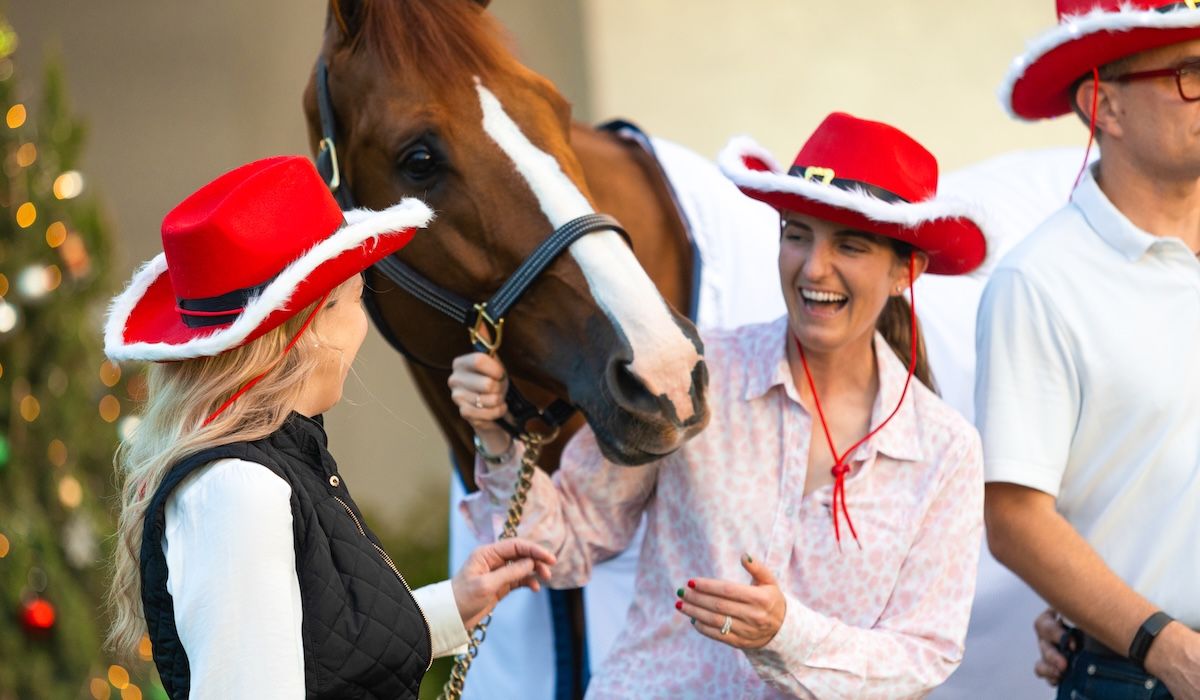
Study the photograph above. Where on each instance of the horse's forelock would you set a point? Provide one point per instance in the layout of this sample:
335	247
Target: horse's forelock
440	39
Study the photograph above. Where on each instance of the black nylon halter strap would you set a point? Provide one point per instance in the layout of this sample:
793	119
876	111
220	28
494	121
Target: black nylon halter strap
327	158
489	313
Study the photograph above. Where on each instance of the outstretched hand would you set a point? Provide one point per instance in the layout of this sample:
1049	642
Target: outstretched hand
493	570
754	611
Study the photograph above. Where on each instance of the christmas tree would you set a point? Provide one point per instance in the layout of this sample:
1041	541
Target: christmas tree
62	408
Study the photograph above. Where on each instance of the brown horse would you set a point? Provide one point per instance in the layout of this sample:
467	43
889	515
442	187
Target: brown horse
431	103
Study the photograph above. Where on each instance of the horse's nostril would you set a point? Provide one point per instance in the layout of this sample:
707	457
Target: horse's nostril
628	390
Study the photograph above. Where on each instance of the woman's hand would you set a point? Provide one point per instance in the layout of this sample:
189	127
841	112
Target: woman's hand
478	385
495	569
754	611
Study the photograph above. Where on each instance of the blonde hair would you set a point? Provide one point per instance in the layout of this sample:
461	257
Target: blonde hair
180	396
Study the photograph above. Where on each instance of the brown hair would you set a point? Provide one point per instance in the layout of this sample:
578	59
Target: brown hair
896	327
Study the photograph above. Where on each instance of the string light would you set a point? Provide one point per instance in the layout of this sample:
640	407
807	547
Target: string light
118	676
53	277
8	316
74	254
26	215
33	282
110	408
99	689
127	426
110	373
70	492
3	284
68	185
145	648
16	116
56	233
30	408
57	452
131	693
26	154
4	546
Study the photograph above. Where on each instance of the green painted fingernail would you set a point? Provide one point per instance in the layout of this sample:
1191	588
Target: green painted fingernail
693	621
749	559
679	592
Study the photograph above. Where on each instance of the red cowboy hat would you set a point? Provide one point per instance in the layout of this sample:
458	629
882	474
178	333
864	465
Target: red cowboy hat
868	176
242	255
1090	34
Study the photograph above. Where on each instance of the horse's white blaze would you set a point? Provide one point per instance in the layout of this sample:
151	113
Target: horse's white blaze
663	357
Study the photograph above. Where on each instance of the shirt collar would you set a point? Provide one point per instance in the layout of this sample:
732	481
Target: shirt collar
768	369
1107	221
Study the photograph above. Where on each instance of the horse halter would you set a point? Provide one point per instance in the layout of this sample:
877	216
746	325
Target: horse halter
482	319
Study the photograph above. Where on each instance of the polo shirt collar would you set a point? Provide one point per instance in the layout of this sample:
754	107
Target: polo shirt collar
1107	221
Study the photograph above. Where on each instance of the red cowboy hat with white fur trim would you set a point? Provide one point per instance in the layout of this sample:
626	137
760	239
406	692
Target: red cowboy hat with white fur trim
242	255
871	177
1090	34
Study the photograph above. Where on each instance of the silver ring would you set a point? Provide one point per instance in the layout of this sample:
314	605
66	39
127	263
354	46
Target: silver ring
725	627
478	401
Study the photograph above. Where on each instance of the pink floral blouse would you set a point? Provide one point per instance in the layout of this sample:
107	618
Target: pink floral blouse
886	621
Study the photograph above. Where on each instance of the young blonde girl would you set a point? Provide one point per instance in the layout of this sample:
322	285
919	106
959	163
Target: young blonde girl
240	550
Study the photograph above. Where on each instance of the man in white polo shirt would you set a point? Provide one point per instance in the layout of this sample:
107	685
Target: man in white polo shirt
1088	344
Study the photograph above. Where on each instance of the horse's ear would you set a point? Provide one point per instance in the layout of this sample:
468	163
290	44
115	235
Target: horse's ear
483	3
348	15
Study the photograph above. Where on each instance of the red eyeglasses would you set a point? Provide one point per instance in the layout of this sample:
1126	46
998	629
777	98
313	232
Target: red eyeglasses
1187	78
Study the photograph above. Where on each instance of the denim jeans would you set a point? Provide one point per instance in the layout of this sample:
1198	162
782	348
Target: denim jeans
1092	676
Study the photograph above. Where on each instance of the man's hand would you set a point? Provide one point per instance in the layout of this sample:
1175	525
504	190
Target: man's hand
1050	631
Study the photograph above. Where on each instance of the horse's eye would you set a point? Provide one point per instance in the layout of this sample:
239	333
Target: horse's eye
418	163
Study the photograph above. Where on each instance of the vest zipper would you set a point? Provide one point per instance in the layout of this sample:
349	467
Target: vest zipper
390	563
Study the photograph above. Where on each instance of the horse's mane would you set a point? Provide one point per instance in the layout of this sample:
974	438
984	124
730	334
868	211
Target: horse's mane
439	38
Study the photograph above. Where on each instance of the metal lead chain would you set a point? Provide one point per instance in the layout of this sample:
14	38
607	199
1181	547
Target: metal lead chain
516	507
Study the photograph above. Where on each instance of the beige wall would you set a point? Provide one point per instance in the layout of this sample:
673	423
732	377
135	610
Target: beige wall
176	92
699	71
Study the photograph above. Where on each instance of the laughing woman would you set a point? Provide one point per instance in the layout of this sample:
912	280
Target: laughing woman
821	536
240	550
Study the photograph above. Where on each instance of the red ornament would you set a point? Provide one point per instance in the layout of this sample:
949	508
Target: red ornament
37	615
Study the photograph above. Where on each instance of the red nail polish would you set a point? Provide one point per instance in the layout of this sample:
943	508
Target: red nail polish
691	584
679	605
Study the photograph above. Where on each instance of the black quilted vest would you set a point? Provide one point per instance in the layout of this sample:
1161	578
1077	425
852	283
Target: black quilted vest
364	636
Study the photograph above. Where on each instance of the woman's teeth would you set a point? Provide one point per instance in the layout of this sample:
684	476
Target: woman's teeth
822	297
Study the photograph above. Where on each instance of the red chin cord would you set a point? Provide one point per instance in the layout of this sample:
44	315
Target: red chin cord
1091	126
840	469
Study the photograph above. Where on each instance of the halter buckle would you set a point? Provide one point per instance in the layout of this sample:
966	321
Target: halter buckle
494	328
335	179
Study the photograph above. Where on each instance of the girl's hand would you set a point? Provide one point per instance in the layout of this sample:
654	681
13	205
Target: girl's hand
495	569
478	385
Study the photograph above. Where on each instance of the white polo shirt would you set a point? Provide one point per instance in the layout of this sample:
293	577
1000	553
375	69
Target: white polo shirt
1088	388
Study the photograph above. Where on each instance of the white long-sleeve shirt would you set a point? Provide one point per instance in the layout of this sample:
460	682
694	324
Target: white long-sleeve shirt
231	564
